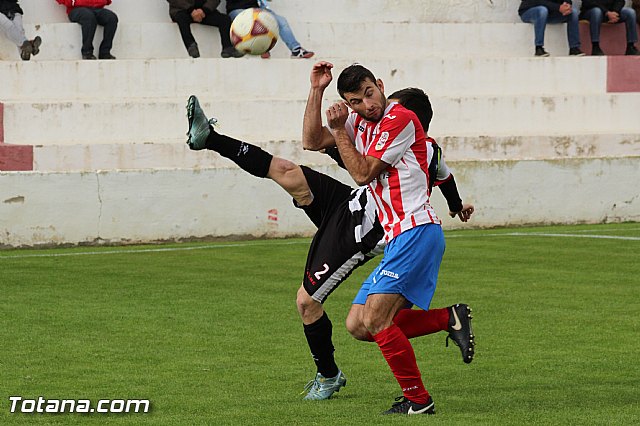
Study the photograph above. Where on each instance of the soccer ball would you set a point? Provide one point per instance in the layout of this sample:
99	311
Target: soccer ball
254	31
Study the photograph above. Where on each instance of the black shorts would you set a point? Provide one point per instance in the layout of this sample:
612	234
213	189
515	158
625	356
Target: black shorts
334	253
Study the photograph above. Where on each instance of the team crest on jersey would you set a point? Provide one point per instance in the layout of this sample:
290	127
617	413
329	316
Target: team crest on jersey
383	139
361	127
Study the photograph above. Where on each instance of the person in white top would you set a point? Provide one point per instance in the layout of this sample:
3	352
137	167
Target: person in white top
383	145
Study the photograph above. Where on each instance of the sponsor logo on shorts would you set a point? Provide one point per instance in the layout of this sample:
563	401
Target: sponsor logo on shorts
389	274
310	277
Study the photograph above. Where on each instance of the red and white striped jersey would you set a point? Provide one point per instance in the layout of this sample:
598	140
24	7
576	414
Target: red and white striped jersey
401	191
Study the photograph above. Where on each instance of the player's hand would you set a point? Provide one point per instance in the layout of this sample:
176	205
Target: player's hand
321	75
337	115
465	213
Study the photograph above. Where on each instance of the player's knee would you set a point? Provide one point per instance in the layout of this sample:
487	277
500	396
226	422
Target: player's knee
280	166
310	310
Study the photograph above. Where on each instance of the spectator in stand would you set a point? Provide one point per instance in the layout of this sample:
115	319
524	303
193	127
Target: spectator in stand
612	12
234	7
11	27
541	12
205	12
89	14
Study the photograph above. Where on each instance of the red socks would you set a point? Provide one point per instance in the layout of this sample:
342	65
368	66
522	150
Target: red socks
399	354
416	322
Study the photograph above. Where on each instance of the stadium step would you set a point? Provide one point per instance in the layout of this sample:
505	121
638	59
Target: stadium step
245	78
61	41
39	11
117	156
155	120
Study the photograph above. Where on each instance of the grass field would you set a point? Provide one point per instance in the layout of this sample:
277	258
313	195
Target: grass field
209	332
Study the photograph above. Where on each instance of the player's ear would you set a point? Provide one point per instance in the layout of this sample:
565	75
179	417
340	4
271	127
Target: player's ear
380	85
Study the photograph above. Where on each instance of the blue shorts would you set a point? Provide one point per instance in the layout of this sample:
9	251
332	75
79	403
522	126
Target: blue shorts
410	267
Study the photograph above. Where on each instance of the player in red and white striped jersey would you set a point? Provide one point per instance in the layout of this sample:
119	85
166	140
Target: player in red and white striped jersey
383	145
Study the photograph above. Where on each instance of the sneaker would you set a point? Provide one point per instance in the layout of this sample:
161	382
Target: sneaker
35	45
193	51
460	330
404	406
231	52
322	387
596	51
89	56
631	51
26	50
199	129
575	51
302	53
541	52
107	56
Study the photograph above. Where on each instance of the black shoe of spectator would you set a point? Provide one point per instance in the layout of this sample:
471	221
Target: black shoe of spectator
541	52
193	51
632	51
89	56
26	50
574	51
107	56
231	52
596	51
35	45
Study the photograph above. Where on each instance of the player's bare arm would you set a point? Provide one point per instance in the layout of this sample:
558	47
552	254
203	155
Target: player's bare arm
314	135
363	169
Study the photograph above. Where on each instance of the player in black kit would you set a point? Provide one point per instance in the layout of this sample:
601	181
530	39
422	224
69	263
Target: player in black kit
349	233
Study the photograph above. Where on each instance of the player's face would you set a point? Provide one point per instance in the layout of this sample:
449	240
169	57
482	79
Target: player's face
369	102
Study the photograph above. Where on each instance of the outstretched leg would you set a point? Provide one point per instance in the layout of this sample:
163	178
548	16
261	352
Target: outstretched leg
290	176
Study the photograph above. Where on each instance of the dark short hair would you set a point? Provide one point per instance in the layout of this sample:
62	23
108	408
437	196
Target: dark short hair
352	77
416	100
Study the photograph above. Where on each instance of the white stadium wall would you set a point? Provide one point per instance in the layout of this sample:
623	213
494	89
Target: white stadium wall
142	206
93	152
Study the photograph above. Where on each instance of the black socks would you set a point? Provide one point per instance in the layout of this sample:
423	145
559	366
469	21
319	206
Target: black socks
250	158
319	339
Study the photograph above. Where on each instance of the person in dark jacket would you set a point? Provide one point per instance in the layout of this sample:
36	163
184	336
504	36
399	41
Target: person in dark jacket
11	26
541	12
186	12
89	14
612	12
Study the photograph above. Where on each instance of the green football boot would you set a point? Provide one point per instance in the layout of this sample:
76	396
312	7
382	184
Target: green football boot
199	129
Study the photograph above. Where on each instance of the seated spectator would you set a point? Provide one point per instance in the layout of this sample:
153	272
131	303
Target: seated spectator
234	7
11	27
541	12
612	12
205	12
89	14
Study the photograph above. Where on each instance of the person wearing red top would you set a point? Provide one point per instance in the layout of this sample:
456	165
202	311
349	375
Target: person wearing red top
89	14
384	146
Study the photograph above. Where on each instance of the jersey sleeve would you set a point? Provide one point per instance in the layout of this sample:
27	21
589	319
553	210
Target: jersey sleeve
443	171
396	133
